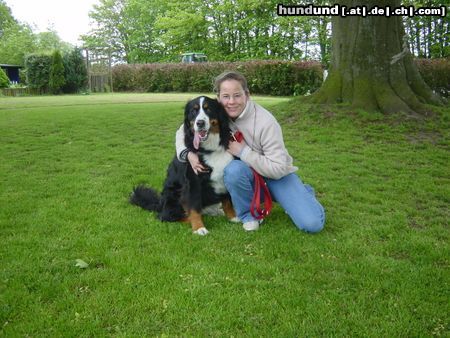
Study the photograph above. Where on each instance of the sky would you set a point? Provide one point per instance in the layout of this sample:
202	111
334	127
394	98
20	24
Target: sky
69	18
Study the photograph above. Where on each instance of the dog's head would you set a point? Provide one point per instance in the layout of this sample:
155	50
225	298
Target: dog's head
204	119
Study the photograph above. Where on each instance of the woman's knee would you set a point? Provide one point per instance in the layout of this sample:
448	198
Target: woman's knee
235	172
312	223
312	227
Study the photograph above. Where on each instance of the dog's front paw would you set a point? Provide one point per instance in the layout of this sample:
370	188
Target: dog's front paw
201	231
235	220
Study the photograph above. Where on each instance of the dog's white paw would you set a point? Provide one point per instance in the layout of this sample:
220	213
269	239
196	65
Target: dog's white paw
235	220
201	231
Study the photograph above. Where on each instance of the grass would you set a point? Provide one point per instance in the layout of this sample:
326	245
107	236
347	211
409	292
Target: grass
380	267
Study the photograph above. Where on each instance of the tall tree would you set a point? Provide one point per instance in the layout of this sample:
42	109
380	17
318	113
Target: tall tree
429	36
183	28
75	72
49	41
125	29
57	80
110	32
6	18
371	66
16	41
144	36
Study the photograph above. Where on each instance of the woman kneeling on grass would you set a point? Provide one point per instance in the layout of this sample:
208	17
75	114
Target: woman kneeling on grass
264	151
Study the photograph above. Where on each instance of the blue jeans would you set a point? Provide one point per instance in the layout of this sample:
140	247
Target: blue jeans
296	198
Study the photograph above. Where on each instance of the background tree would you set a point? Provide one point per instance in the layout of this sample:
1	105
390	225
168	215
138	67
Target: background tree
75	73
49	41
126	30
371	66
112	29
147	31
144	38
6	18
56	79
183	27
18	40
429	36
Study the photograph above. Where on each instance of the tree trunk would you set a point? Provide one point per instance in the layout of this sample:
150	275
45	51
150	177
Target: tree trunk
371	66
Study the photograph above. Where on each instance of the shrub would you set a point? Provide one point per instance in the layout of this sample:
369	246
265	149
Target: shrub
38	71
56	73
56	80
265	77
4	80
75	72
436	73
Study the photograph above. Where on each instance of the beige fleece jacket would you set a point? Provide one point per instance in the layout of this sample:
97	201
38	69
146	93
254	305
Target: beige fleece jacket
265	150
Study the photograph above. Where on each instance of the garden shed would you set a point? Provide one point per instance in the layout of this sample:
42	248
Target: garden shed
12	71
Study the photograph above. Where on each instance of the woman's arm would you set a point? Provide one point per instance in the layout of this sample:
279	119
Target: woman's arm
275	161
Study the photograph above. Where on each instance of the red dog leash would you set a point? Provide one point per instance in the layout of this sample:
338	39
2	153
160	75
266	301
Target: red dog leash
255	207
256	210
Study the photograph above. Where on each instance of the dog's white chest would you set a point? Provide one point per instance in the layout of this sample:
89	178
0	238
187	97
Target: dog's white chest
218	160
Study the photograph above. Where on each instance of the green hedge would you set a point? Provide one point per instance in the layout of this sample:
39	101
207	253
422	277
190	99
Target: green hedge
264	77
71	76
75	72
38	70
436	73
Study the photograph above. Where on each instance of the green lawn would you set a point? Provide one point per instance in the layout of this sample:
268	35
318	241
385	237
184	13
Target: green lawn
67	165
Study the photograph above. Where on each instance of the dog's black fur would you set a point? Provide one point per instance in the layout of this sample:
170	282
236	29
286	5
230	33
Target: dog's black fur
185	193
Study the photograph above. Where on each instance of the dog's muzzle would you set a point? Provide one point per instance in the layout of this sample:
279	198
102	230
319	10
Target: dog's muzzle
200	133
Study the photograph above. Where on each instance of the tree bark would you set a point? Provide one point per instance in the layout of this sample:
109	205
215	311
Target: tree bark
371	66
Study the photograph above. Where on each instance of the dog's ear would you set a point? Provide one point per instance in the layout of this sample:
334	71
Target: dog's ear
188	132
224	125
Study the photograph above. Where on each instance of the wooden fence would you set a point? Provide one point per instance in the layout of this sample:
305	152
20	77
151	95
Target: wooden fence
100	83
22	91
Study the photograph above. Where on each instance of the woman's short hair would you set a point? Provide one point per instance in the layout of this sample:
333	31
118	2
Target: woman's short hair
230	75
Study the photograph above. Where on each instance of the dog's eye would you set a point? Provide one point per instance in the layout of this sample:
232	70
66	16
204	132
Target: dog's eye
214	122
193	113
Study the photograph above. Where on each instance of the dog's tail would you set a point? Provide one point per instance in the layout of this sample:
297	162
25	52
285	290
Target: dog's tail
146	198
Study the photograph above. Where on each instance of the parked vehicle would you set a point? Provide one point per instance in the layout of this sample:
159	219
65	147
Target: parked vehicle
193	57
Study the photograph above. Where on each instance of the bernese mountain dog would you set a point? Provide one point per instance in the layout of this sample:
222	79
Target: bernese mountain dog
185	194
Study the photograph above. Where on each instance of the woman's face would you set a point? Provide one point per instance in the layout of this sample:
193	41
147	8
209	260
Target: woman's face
233	97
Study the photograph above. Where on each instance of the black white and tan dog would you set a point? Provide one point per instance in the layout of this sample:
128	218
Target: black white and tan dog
185	194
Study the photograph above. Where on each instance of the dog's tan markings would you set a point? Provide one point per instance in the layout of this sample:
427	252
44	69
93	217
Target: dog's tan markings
214	126
205	105
196	220
196	107
228	209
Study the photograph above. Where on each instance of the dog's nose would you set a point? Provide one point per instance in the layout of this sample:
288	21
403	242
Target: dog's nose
200	123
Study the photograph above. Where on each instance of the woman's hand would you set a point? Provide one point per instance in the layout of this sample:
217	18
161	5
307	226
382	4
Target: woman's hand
235	148
195	163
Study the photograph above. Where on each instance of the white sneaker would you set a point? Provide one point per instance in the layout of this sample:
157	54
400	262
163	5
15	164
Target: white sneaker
251	226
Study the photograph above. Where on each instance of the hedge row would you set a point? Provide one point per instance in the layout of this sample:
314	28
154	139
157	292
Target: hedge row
436	73
38	70
51	71
265	77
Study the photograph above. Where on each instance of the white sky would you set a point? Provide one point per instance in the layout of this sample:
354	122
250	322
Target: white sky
69	18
